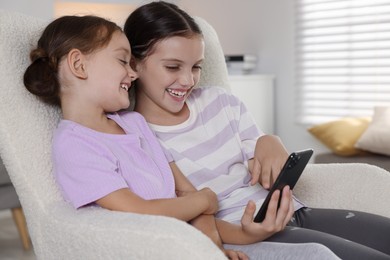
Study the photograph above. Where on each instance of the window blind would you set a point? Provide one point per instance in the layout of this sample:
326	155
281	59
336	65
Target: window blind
342	58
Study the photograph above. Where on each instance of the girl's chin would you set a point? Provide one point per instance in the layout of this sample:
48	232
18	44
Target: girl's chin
177	108
125	105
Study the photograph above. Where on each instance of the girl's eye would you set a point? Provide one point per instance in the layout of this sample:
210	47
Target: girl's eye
198	67
172	67
124	62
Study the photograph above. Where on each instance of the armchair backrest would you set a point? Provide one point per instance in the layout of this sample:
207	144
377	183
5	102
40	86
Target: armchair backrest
214	72
27	124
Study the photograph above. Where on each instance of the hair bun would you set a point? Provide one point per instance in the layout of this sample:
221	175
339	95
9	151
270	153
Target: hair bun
38	54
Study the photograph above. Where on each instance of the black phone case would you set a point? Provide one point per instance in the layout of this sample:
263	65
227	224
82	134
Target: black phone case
289	175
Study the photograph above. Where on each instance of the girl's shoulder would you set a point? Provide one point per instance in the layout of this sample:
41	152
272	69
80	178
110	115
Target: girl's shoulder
133	122
131	115
211	90
210	94
66	128
70	137
132	119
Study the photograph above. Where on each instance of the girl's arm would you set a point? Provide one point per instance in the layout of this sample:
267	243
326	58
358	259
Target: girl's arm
192	205
269	158
248	232
205	223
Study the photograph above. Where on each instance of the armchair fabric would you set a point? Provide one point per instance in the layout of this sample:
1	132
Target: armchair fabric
60	232
354	186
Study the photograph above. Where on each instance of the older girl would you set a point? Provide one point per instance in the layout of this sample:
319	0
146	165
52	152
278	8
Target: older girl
212	138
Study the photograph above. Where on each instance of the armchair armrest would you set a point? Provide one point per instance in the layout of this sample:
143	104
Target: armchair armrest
354	186
96	233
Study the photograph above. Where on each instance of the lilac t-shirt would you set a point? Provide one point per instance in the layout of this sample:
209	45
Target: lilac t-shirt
89	165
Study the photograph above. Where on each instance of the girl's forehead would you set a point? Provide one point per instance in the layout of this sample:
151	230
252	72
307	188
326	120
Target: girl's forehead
195	39
119	41
180	45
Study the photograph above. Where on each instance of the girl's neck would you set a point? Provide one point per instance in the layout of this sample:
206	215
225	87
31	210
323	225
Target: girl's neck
163	117
96	121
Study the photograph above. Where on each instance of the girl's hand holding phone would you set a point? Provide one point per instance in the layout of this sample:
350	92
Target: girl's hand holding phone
275	219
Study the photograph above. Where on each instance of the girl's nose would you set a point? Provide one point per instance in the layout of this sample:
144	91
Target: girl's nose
133	75
187	79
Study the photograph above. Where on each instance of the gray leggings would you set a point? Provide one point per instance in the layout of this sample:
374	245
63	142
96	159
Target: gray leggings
349	234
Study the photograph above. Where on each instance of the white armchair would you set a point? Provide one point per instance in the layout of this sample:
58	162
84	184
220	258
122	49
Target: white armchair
59	232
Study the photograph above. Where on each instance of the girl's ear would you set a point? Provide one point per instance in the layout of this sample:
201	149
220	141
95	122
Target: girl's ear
76	63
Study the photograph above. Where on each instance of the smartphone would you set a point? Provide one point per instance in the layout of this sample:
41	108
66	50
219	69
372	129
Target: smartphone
289	175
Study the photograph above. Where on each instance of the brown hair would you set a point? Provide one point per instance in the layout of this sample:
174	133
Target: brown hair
85	33
154	22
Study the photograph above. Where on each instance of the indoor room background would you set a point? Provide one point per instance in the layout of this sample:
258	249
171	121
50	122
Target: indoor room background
264	28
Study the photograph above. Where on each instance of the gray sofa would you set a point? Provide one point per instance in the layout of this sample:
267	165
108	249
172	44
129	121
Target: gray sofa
8	197
10	200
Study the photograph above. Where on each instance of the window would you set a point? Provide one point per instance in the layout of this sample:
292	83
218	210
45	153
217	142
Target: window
342	58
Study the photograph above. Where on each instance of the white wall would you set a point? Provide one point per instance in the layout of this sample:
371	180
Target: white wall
276	24
236	23
41	8
265	28
262	27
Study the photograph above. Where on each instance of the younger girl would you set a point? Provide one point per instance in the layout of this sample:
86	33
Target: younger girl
211	137
105	156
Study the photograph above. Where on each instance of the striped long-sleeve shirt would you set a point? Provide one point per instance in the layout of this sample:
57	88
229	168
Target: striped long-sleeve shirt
213	146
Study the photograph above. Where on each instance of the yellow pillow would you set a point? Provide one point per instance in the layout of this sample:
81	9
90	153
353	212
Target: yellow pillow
341	135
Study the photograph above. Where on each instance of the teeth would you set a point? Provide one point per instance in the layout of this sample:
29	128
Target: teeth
176	92
125	86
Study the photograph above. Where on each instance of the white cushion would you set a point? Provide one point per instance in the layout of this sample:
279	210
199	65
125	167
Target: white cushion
376	138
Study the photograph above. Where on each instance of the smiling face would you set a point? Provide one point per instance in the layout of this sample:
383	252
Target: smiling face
166	78
110	74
